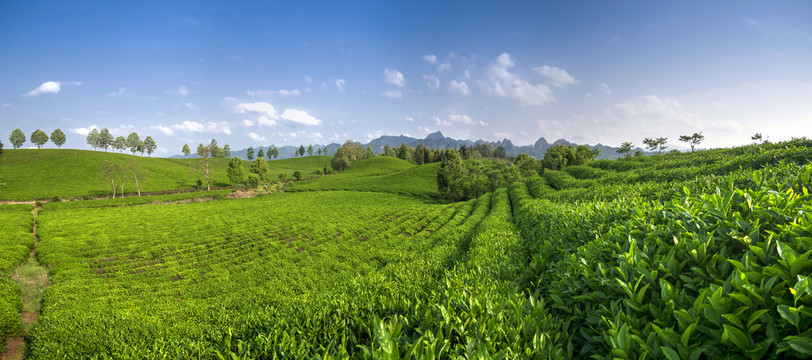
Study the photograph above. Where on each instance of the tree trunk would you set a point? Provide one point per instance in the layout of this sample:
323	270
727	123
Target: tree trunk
137	187
113	184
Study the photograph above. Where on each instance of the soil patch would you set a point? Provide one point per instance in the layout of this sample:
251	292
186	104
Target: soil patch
14	345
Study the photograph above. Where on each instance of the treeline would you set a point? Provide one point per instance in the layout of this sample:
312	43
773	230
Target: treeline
38	137
102	139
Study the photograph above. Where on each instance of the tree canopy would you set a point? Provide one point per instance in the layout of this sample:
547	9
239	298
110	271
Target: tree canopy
150	145
348	154
186	151
17	138
39	138
58	138
692	140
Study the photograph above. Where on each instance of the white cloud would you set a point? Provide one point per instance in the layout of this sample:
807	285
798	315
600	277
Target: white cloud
606	89
424	129
431	58
207	127
117	92
392	94
410	119
308	79
262	108
190	106
257	137
284	92
443	67
260	92
501	82
432	81
559	77
394	77
454	119
163	129
84	131
458	87
482	123
51	87
182	91
299	117
340	84
248	123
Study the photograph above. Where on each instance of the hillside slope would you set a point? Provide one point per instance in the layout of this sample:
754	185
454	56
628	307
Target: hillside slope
45	173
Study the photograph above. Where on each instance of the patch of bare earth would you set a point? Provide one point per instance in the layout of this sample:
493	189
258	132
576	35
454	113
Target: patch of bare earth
14	348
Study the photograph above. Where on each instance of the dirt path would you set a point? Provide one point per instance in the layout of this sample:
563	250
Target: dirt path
33	279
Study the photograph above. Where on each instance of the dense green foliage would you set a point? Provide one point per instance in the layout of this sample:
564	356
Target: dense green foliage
675	256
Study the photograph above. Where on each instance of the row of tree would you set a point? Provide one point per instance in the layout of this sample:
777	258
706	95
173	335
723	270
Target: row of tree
103	139
659	144
38	137
116	175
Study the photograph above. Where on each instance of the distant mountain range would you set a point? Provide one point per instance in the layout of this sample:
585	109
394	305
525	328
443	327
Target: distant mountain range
437	140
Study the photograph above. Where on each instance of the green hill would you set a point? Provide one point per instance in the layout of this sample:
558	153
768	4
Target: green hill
45	173
379	174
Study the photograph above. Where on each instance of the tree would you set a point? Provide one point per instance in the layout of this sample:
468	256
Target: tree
260	167
368	153
348	154
625	148
275	152
558	156
149	145
692	140
235	170
105	139
39	138
421	155
657	144
484	149
309	150
93	138
218	152
253	180
527	165
403	152
250	153
58	138
138	173
17	138
757	137
501	153
260	153
120	143
186	150
451	171
325	151
227	151
297	174
296	153
134	142
319	151
205	152
113	173
301	150
1	148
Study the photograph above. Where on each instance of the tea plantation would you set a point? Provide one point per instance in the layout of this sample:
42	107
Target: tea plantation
674	256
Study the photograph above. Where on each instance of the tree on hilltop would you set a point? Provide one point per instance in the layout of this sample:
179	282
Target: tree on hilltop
186	151
657	144
625	148
757	137
93	138
260	153
105	139
309	150
451	170
39	138
404	153
17	138
58	138
1	148
227	151
149	145
301	150
250	153
346	155
692	140
134	142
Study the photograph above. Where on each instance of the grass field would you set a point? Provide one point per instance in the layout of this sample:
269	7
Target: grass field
45	173
676	256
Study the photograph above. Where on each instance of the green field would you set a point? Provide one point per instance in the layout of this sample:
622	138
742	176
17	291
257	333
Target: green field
674	256
45	173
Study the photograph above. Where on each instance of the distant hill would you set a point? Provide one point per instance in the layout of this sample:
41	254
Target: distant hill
437	140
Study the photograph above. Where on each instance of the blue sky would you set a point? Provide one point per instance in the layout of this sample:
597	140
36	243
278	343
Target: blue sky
261	73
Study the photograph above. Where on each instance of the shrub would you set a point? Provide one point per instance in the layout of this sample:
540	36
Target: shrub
253	180
297	174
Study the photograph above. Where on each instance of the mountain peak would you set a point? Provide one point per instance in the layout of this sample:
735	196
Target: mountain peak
435	136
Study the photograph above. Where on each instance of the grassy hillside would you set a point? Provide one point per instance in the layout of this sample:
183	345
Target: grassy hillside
45	173
379	174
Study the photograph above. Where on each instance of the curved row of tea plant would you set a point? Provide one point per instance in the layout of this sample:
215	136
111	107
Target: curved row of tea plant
15	243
